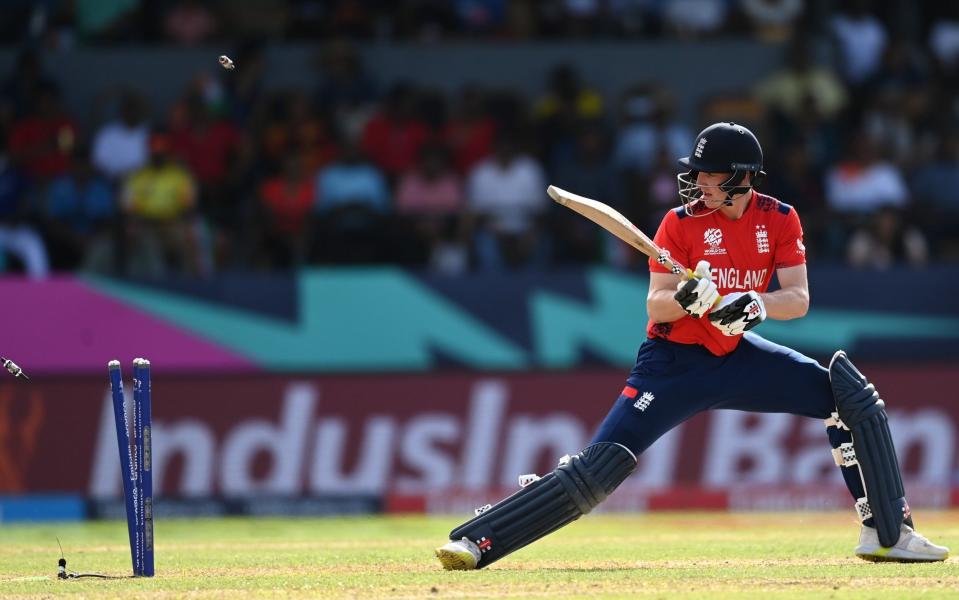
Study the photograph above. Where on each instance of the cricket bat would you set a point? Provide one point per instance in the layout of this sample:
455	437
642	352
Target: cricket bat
614	222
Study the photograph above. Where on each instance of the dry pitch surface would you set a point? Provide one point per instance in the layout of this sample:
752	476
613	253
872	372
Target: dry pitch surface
663	555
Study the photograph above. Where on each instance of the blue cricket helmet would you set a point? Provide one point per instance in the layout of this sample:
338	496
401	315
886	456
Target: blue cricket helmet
721	148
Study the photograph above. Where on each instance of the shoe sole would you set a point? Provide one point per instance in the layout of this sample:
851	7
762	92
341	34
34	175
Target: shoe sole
455	561
891	556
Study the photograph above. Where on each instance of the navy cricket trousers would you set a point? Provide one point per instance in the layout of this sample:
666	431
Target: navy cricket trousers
674	381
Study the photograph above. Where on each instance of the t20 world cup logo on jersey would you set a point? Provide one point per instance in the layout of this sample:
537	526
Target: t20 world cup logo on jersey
713	238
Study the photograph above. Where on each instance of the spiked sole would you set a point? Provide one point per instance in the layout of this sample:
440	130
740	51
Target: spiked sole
455	561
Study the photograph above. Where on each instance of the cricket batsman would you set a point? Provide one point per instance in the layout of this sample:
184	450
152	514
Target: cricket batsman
701	354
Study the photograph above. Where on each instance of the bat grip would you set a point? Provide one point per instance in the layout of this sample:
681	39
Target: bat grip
691	275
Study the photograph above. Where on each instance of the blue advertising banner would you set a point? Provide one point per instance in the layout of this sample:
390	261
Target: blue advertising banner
387	319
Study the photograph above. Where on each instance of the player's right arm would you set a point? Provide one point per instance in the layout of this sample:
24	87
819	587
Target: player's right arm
661	303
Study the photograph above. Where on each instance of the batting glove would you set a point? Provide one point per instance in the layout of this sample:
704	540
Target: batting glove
697	294
738	312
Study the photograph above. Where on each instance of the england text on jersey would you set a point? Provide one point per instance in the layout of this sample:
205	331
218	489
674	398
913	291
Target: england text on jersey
739	279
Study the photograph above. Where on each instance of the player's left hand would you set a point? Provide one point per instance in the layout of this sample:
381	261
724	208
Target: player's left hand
738	312
698	293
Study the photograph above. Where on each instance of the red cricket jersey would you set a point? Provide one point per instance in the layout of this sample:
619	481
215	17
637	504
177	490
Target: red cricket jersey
742	254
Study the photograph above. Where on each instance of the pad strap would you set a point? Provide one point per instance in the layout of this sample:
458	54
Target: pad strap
863	510
845	455
835	421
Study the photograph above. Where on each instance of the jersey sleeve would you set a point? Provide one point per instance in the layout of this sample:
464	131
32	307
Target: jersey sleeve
790	250
669	237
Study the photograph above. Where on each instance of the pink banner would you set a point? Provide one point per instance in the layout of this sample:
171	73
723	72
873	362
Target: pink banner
438	442
66	326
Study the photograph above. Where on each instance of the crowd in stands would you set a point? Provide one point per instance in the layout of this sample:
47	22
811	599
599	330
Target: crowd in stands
190	22
347	169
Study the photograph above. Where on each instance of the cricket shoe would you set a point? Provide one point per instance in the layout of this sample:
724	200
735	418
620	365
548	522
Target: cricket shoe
911	547
459	555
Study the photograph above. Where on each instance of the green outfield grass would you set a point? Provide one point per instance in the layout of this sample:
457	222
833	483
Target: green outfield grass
662	555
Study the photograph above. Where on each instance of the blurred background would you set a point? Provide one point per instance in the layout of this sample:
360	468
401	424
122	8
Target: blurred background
355	293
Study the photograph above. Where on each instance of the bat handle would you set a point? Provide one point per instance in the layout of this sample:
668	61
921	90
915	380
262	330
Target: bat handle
692	275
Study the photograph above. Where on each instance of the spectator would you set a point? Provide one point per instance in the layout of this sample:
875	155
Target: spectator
861	39
694	18
944	33
352	18
121	146
521	23
582	18
430	197
803	104
293	126
432	187
506	193
944	43
160	199
314	134
898	96
566	105
934	186
346	91
588	173
393	137
18	92
481	16
657	194
244	87
189	23
471	129
57	31
648	125
211	148
863	182
78	210
902	68
286	202
772	20
352	199
432	106
885	241
257	19
634	18
425	20
822	138
42	142
795	178
856	187
351	180
789	91
660	193
18	238
886	122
